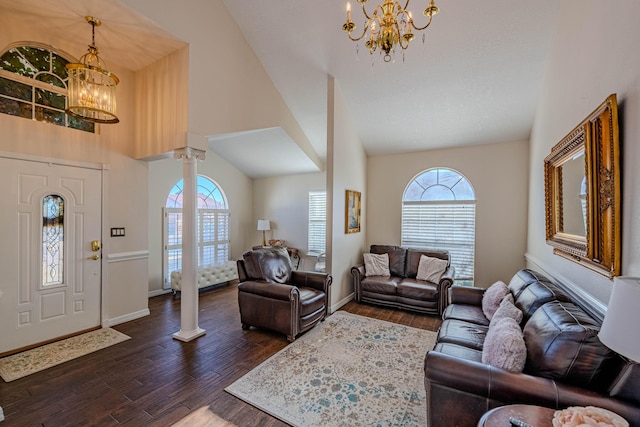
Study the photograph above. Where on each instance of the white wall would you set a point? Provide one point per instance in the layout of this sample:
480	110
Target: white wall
284	201
346	170
498	173
238	188
127	178
594	52
229	90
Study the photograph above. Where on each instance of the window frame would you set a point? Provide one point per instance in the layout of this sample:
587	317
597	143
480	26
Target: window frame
317	223
172	243
35	84
456	237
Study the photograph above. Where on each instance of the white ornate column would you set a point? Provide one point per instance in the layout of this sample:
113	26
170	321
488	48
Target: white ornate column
189	329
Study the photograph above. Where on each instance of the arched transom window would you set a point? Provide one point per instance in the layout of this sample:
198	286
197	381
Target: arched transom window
212	226
438	212
33	85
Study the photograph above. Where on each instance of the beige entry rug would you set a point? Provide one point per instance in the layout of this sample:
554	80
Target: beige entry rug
37	359
347	371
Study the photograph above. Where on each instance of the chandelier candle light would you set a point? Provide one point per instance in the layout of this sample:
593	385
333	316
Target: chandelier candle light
389	25
92	89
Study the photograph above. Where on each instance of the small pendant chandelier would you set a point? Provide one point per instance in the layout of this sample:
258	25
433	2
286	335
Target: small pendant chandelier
390	25
92	89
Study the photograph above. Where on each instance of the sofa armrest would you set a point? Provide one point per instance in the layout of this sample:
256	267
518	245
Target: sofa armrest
483	387
466	295
358	274
268	290
446	281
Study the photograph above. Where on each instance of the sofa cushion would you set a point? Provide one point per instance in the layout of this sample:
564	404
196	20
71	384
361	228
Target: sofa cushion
507	309
504	345
459	351
492	298
462	333
468	313
524	278
535	295
414	289
380	284
397	256
413	259
311	300
562	343
376	265
430	269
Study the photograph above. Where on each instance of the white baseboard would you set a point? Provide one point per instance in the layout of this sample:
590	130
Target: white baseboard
159	292
1	414
342	302
126	318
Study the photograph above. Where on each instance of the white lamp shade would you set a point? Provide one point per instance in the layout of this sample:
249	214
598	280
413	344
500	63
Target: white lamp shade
621	327
264	224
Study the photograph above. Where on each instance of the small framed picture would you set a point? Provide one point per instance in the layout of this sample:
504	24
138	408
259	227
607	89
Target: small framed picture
352	212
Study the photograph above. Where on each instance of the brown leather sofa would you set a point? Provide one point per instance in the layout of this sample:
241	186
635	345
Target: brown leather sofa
273	296
402	289
566	363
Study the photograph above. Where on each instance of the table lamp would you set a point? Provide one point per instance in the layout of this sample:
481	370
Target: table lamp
264	225
620	331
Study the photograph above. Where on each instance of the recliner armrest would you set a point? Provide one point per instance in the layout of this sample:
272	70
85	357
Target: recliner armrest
277	291
310	279
466	295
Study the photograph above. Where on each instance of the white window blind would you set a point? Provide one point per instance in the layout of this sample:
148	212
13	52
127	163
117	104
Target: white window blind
447	226
317	222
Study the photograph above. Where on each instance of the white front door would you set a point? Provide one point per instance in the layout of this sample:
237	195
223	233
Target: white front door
49	270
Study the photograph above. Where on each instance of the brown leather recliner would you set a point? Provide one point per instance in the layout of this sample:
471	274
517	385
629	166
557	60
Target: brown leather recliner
272	296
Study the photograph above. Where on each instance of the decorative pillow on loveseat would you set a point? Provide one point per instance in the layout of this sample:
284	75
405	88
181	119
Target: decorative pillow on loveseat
504	346
493	297
397	257
376	265
431	269
562	343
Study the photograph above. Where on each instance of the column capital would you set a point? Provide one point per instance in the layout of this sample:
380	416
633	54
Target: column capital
188	153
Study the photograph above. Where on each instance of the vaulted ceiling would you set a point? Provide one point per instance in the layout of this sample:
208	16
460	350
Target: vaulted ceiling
475	78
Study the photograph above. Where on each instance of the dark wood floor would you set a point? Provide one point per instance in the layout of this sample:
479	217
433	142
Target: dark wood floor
155	380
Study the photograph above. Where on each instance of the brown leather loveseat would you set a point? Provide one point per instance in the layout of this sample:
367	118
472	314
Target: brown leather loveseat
566	364
273	296
402	289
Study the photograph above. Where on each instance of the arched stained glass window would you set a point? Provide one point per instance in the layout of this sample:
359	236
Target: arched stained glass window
438	212
52	240
33	85
212	226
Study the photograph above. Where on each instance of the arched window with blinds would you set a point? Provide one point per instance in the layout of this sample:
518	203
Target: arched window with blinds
439	212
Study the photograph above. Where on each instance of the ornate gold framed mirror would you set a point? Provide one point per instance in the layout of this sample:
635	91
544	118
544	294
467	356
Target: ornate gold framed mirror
582	192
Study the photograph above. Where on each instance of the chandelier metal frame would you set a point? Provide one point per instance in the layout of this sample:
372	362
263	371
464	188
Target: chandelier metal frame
389	25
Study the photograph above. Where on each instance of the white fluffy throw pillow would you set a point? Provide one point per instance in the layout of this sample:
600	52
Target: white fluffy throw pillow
507	309
493	297
504	346
376	265
431	269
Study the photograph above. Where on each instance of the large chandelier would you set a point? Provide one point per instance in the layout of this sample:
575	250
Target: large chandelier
92	89
389	25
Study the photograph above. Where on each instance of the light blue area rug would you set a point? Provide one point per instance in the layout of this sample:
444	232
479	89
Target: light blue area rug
348	370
